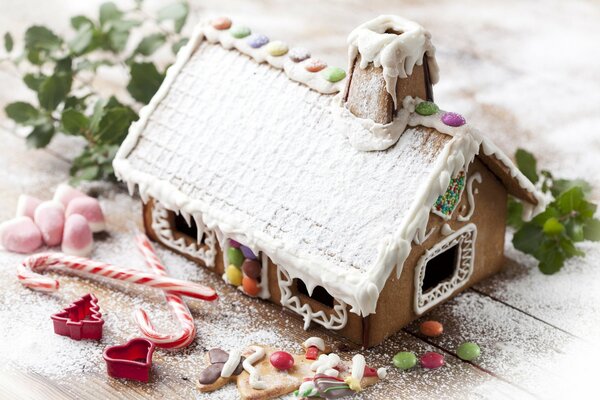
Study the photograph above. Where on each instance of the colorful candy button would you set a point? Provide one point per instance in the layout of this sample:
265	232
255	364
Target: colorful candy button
282	360
234	275
251	268
298	54
247	252
431	328
250	286
405	360
453	119
431	360
221	23
233	243
334	74
277	48
235	256
468	351
240	32
426	108
257	40
314	65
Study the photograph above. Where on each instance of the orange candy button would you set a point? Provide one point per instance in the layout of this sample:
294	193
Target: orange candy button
221	23
431	328
314	65
250	286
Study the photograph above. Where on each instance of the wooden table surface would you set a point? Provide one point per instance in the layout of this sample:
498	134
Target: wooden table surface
527	73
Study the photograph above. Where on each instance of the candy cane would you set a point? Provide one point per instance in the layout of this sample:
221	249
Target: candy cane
175	302
28	276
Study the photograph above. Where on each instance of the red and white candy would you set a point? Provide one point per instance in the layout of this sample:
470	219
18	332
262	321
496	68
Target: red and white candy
313	345
26	205
65	193
20	235
90	209
77	237
49	216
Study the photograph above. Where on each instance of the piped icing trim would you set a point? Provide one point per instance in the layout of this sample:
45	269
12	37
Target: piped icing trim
255	380
397	54
235	356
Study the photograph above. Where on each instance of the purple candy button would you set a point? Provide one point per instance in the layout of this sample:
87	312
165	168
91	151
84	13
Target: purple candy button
257	40
247	252
234	244
453	119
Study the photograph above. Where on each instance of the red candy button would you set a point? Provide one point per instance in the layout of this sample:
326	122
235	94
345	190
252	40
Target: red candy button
432	360
282	360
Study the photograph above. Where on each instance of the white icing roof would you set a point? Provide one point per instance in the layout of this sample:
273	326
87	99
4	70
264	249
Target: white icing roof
256	156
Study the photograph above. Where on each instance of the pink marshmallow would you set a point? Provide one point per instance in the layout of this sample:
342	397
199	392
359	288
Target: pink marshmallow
65	193
50	218
26	205
90	209
77	238
20	235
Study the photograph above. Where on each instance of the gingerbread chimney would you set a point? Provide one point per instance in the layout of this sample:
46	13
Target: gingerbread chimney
390	58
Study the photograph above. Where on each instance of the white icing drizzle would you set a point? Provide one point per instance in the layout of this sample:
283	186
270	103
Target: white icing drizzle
397	54
326	364
315	342
470	196
446	230
382	373
307	389
358	366
231	364
248	364
420	238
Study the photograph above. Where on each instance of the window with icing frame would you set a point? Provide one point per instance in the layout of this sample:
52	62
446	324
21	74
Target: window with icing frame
319	294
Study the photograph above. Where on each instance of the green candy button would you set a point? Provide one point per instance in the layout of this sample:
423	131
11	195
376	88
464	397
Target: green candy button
405	360
334	74
468	351
235	256
427	108
240	32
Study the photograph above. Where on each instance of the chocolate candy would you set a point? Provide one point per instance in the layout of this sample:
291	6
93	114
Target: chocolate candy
234	275
298	54
314	65
334	74
217	359
431	360
282	360
405	360
453	119
240	32
468	351
235	256
257	40
221	23
250	286
426	108
247	252
277	48
251	268
431	328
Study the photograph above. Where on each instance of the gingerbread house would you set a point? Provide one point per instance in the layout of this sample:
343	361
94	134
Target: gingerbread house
350	199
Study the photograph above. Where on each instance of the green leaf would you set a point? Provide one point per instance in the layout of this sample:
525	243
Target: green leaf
88	173
527	164
117	39
514	215
528	238
150	44
64	65
550	212
570	200
79	21
33	81
114	125
574	230
553	227
24	113
178	45
109	12
41	38
145	81
40	136
562	185
54	90
8	42
97	114
82	40
74	122
177	12
591	230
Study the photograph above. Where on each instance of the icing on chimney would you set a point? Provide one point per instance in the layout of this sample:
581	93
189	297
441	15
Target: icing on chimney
396	45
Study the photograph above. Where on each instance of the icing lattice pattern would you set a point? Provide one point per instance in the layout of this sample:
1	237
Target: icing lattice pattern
445	204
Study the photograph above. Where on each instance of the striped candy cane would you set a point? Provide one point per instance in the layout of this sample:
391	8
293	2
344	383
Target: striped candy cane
175	302
28	275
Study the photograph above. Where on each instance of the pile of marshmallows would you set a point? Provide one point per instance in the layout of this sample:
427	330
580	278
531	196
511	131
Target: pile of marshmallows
69	220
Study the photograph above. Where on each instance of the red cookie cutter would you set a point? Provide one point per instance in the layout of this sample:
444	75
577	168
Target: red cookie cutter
80	320
132	360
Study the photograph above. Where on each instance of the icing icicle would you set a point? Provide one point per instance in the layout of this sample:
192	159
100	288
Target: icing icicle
255	380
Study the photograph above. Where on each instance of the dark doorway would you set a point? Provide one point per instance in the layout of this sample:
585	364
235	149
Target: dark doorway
182	226
440	268
319	294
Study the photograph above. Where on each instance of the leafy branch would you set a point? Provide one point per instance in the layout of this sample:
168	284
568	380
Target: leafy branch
552	235
59	70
